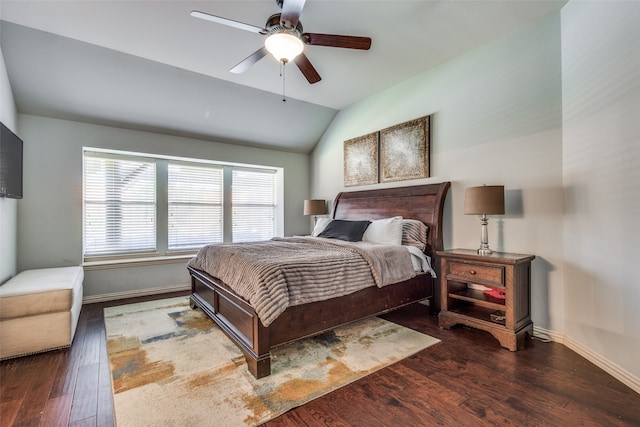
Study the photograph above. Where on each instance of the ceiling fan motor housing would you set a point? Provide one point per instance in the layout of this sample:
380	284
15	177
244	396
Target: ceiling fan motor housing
274	26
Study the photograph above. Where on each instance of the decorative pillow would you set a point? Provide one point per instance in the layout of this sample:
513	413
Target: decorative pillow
321	224
350	231
387	231
414	233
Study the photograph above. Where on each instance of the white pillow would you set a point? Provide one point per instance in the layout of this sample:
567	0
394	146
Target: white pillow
321	224
386	231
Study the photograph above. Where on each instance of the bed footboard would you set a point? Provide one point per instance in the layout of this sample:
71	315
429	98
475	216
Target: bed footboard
241	324
236	318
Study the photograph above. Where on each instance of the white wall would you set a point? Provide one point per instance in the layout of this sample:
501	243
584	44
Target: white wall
8	207
496	119
50	226
601	172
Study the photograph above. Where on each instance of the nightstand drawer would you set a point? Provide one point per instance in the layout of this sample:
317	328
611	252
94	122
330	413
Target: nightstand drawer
477	273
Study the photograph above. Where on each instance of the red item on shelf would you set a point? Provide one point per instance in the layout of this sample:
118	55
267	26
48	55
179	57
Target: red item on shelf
495	293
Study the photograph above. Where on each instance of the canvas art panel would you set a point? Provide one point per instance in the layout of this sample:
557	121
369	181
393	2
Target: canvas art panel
404	151
361	160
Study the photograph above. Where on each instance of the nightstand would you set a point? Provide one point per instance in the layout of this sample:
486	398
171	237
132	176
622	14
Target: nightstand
488	292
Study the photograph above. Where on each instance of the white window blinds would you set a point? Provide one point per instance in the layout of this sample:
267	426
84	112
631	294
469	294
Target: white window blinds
119	204
195	205
254	205
143	205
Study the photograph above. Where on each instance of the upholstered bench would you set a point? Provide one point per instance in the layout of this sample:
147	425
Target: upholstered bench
39	310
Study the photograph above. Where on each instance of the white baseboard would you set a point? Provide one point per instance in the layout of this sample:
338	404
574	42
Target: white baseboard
133	294
543	333
601	362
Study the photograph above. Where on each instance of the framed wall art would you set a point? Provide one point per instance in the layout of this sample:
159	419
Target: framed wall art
404	151
361	160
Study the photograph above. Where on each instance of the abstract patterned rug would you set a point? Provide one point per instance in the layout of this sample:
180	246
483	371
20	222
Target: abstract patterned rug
172	365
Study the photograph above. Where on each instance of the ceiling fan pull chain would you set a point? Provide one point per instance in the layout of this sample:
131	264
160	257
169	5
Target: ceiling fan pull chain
282	73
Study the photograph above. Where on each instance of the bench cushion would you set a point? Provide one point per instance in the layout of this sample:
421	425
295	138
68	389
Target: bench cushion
41	291
39	310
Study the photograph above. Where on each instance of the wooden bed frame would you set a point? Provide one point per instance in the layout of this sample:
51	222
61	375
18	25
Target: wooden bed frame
237	318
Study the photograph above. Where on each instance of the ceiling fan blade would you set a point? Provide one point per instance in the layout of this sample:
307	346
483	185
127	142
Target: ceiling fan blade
291	10
229	22
250	60
307	69
333	40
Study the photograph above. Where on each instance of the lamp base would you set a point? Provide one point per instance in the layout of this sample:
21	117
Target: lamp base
484	240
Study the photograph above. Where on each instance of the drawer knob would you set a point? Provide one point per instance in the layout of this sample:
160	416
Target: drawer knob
472	272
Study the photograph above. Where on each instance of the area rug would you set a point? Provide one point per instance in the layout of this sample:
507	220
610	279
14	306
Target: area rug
172	365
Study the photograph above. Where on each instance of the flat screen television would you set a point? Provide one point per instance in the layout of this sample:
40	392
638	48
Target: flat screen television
10	164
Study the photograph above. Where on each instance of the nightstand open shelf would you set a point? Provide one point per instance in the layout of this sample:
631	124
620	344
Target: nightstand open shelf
465	276
477	297
479	313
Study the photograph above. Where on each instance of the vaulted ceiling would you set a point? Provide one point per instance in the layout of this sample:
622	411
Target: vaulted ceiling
149	65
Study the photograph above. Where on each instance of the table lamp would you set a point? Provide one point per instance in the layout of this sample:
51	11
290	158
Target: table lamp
484	200
315	207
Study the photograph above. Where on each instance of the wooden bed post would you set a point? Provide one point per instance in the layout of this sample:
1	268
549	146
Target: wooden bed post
260	363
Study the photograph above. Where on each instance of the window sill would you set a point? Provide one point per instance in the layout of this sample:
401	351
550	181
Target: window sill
136	262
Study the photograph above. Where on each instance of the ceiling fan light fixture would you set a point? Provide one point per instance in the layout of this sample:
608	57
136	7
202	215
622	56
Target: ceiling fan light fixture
284	46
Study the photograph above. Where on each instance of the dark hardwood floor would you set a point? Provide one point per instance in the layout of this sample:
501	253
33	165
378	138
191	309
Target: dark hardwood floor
466	380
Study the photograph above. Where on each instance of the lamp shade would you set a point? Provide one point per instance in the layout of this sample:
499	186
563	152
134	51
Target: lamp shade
283	46
484	200
314	207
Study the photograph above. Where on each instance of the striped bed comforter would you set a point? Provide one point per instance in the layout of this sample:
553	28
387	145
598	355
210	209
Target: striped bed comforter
275	274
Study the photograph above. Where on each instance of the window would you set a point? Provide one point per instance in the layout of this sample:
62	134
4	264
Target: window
254	205
119	205
195	205
154	205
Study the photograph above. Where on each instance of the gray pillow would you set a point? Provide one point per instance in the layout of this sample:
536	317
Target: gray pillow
414	233
350	231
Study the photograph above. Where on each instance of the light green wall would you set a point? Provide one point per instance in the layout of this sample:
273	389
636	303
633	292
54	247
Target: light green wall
8	207
601	172
50	215
496	119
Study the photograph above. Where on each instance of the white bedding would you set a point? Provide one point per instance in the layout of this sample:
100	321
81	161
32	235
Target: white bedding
420	261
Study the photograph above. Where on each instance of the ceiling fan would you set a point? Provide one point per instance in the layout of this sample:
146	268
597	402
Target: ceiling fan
286	39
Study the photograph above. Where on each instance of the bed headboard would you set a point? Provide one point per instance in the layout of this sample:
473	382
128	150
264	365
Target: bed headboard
422	202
